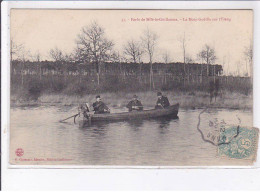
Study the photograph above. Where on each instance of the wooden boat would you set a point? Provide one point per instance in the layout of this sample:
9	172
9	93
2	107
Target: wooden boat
169	112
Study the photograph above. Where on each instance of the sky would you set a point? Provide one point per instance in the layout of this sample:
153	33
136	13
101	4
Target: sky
227	31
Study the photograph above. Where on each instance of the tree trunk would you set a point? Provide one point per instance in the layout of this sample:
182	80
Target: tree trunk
11	61
22	73
151	77
214	74
201	73
98	72
188	74
40	68
98	81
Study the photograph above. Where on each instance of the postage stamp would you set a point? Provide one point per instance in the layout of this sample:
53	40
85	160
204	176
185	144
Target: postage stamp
232	141
243	144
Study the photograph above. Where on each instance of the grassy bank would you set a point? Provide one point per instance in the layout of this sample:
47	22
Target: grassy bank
190	100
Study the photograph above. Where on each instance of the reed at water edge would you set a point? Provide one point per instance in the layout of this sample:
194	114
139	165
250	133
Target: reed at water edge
193	100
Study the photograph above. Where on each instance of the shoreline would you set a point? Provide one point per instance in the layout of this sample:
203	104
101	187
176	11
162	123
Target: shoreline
198	100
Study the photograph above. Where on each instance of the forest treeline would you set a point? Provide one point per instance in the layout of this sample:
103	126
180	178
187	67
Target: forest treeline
95	66
30	80
75	68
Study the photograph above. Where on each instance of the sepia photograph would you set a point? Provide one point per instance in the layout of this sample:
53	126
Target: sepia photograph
132	87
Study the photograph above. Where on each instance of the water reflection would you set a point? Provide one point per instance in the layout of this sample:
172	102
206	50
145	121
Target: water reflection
163	123
135	124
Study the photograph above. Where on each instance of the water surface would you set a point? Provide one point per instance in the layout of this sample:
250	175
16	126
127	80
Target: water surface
173	142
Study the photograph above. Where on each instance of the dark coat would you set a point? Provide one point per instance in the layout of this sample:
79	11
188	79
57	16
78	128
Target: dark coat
162	103
100	107
133	103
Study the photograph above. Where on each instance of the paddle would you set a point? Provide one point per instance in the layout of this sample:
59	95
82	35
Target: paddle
69	117
162	106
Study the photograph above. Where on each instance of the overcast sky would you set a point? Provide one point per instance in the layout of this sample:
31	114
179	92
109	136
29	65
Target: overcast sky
229	31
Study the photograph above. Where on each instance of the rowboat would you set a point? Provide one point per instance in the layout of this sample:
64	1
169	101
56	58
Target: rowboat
169	112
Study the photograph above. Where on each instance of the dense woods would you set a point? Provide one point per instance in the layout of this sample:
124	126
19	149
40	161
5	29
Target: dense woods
95	67
35	78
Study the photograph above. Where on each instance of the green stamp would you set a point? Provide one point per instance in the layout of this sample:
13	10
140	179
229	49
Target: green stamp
242	142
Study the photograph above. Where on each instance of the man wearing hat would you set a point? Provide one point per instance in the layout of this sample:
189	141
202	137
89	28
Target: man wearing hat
134	105
162	101
99	106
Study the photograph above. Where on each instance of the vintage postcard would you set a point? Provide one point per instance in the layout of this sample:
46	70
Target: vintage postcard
132	88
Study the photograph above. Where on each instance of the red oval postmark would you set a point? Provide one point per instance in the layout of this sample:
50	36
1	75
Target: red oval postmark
19	152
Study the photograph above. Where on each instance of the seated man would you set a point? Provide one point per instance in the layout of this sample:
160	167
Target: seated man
162	101
100	107
84	109
134	104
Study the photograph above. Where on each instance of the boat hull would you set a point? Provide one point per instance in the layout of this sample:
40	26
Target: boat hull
169	112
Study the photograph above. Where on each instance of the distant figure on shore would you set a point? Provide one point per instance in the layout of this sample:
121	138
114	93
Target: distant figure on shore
100	107
213	89
134	105
162	101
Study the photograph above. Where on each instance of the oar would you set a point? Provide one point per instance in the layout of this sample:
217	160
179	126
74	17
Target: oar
69	117
160	105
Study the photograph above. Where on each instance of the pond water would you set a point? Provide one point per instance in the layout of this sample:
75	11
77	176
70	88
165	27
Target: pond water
161	142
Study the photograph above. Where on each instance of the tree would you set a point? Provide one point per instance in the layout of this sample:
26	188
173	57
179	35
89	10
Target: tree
166	57
56	54
68	57
15	51
149	41
208	55
188	59
80	55
93	45
23	56
116	57
248	53
200	58
133	50
36	57
183	42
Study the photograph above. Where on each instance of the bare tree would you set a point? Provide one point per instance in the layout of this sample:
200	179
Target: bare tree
56	54
15	50
116	57
133	50
248	53
68	57
81	55
189	59
208	55
36	57
93	44
200	59
166	57
183	42
149	40
23	56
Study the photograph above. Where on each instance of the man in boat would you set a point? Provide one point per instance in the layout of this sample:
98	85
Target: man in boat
162	101
84	109
134	105
100	107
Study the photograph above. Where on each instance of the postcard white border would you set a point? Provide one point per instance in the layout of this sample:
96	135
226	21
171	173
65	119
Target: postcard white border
117	177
